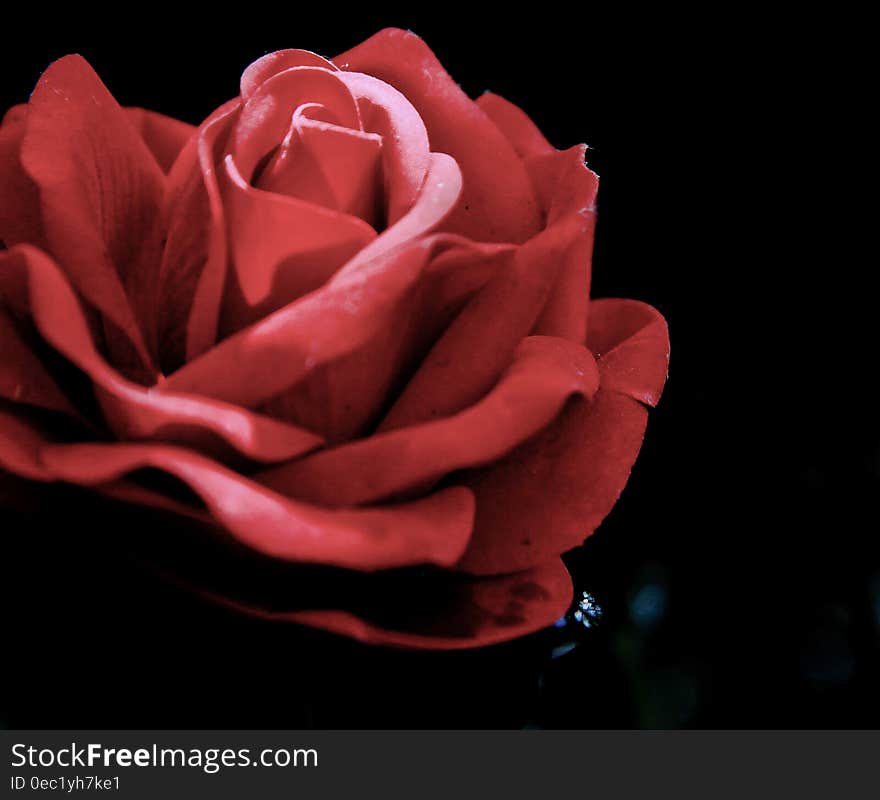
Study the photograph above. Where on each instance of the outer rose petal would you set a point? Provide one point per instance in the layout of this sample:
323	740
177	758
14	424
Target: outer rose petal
498	204
551	493
563	181
631	341
479	344
20	214
165	136
20	443
23	378
515	124
14	115
544	373
101	194
433	530
473	613
33	284
566	184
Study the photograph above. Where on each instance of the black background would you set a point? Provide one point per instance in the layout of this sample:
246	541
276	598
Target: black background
739	573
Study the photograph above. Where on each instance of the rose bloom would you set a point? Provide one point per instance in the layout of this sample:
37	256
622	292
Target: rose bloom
349	313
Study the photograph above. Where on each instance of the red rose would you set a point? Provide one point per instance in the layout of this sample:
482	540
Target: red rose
350	312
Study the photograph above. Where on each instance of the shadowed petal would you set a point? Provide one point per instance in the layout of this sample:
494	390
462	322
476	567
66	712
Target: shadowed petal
23	378
31	282
193	273
550	494
164	136
434	530
475	612
544	373
20	214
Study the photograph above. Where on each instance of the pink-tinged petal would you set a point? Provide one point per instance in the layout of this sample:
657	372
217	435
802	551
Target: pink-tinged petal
566	185
101	195
479	344
544	374
265	118
433	530
31	283
437	197
20	442
194	264
516	125
470	613
20	214
282	247
164	136
498	203
631	341
550	494
357	304
23	378
405	152
270	65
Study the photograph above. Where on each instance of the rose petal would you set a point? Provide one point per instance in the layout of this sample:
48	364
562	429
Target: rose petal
23	378
328	165
361	300
631	341
470	613
20	215
14	115
551	493
437	197
566	184
434	530
101	194
20	443
193	272
405	152
515	124
544	373
282	247
35	285
164	136
498	203
265	117
270	65
343	398
456	372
